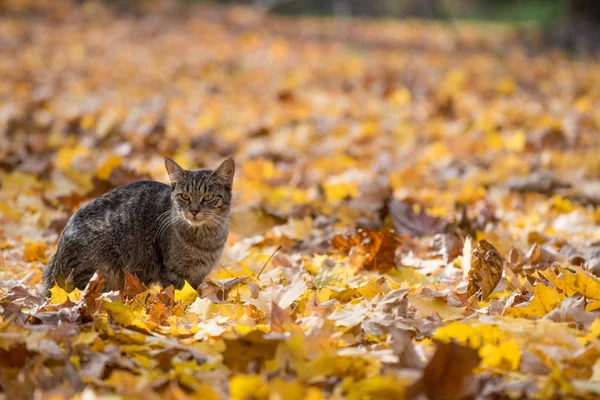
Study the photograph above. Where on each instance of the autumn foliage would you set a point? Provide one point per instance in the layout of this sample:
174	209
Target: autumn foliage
416	206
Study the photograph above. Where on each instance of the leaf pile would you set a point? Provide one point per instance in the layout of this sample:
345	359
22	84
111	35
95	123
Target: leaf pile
433	194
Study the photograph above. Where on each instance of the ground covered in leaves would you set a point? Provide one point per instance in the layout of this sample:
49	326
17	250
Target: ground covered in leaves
416	210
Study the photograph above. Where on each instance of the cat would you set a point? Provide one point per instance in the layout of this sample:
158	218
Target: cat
160	233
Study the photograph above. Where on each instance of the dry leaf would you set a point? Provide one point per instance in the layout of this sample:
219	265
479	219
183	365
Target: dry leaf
370	249
486	270
408	222
449	374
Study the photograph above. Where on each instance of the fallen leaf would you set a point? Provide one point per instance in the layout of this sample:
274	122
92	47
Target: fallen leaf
186	295
574	281
35	252
449	374
408	222
486	271
369	249
545	299
133	286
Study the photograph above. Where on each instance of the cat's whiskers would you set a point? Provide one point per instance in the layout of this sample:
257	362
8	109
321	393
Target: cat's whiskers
233	221
160	220
217	222
169	221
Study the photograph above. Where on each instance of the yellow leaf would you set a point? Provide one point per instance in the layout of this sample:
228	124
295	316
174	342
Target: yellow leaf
260	170
338	191
516	142
123	380
369	128
576	281
593	332
285	198
35	252
545	299
506	86
592	306
378	387
301	228
244	330
86	338
58	295
330	364
186	295
284	389
428	307
87	122
473	336
103	172
400	97
67	155
562	205
7	210
505	355
119	313
247	387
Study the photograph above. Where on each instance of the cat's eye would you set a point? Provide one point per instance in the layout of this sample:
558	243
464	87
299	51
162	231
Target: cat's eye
185	196
208	197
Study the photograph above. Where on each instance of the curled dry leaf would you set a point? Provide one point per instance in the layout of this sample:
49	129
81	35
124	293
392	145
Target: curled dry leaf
486	270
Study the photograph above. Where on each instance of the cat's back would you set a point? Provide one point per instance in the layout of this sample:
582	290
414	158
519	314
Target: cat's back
132	204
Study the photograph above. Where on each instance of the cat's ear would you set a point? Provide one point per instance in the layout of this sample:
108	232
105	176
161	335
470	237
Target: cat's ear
226	171
175	172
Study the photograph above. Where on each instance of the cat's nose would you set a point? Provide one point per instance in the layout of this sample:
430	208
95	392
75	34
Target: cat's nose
194	213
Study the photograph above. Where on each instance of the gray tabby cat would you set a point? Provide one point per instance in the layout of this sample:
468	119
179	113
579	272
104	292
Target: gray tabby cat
159	233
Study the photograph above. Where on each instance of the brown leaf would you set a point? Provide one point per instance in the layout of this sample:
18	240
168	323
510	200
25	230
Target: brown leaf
486	270
157	312
217	290
14	356
369	249
279	318
90	294
20	295
408	222
449	374
133	286
448	246
403	348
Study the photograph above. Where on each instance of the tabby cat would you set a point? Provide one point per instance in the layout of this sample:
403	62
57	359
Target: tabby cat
160	233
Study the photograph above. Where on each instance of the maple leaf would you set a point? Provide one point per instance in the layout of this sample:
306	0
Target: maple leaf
186	295
574	281
545	299
133	286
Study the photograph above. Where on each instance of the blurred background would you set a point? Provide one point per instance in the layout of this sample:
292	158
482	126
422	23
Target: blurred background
571	24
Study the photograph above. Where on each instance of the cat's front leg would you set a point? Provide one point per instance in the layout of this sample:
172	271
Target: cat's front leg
172	279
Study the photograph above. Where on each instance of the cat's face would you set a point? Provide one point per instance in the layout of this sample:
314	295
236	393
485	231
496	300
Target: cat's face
202	197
